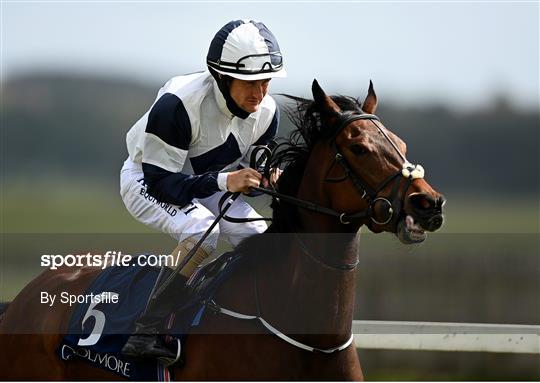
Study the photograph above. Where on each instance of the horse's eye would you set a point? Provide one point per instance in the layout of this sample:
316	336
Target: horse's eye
357	149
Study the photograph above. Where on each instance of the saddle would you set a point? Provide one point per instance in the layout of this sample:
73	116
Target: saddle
111	324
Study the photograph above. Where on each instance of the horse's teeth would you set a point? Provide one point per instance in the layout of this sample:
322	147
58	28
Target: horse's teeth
409	221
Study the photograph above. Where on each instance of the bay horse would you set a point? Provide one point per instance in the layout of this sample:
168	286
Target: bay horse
343	169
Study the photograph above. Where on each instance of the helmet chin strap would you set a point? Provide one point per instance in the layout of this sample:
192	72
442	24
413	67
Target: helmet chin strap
224	83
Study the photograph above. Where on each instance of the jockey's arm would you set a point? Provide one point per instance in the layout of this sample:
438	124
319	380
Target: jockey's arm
178	188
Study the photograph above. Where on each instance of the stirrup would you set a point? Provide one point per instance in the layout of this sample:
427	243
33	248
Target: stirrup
170	361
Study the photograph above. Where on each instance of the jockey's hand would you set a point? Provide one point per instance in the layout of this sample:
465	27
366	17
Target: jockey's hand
275	173
242	180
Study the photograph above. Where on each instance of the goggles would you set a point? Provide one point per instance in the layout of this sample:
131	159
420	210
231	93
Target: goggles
251	64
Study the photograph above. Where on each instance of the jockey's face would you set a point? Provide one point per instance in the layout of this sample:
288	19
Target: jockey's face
248	95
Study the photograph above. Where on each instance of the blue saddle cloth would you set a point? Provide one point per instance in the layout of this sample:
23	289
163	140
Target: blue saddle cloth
98	331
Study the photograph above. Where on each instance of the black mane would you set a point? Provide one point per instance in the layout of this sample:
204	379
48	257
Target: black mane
294	152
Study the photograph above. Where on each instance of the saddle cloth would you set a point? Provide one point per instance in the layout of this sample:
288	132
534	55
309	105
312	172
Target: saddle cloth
98	331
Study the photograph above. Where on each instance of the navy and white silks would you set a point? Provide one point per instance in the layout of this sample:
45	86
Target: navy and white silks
180	152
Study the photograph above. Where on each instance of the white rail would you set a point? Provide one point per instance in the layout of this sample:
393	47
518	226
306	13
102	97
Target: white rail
441	336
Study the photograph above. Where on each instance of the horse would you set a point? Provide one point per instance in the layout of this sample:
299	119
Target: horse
343	169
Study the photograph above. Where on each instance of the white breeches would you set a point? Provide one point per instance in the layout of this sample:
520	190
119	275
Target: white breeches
191	220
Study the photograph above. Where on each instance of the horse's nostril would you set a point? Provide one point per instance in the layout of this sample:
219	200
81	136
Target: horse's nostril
435	222
422	202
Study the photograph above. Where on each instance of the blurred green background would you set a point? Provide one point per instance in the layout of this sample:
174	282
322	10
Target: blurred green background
63	146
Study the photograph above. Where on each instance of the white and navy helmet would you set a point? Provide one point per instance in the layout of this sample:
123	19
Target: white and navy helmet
246	50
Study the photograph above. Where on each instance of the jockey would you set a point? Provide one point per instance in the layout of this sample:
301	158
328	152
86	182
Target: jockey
184	154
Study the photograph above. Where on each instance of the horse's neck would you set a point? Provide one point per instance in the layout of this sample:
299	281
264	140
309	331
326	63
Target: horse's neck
301	293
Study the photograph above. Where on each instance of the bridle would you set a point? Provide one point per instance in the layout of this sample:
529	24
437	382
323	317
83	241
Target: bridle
366	191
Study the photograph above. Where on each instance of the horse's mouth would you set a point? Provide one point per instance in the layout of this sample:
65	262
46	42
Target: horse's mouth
409	231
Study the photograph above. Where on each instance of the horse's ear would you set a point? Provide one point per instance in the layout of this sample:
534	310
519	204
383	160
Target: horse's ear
326	104
370	103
